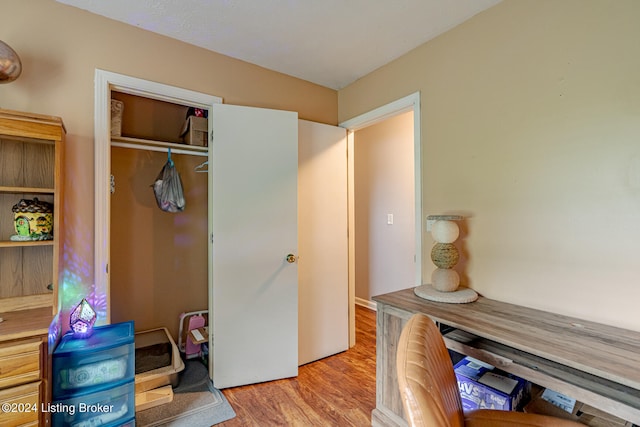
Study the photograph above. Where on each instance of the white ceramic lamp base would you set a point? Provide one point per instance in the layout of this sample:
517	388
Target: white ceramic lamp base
444	279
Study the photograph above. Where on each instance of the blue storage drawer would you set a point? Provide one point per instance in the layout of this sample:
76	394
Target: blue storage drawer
107	408
89	365
128	423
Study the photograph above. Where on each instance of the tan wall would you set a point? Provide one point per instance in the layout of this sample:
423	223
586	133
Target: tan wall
384	184
530	128
61	47
158	263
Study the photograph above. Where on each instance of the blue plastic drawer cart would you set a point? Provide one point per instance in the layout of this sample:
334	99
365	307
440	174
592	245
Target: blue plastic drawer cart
93	378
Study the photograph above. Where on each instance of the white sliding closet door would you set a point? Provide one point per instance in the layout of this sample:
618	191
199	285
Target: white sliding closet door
253	296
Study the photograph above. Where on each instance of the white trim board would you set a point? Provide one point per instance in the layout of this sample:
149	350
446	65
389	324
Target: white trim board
408	103
367	304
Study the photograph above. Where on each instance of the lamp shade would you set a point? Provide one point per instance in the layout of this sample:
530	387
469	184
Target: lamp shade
10	65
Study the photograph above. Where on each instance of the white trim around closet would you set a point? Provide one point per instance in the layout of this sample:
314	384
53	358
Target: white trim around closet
105	82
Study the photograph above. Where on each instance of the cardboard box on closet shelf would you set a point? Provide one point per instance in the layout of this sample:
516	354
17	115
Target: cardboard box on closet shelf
483	386
117	107
195	131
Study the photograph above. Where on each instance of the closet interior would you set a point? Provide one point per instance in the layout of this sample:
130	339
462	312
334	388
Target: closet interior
158	260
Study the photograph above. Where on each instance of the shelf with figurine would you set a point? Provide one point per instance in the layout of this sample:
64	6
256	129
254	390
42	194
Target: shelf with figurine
31	177
33	224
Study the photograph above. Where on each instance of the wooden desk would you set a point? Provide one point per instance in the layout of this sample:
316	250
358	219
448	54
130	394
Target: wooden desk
594	363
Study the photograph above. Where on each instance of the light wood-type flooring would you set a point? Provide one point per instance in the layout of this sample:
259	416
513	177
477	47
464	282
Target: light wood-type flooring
339	390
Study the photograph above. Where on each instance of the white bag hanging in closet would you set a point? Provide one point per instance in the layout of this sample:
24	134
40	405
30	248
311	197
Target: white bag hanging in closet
168	188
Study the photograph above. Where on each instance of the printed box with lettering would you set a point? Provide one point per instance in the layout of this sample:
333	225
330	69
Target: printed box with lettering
484	387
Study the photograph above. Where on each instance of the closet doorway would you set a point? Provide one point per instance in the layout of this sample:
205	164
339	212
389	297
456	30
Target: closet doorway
136	160
156	257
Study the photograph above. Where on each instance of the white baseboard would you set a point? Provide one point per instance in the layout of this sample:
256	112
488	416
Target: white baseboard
366	303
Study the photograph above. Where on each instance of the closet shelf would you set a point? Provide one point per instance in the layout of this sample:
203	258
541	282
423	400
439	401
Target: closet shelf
147	144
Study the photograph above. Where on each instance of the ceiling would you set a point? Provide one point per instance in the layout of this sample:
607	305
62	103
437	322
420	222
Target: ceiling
328	42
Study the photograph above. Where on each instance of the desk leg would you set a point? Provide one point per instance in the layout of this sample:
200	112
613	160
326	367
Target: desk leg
389	323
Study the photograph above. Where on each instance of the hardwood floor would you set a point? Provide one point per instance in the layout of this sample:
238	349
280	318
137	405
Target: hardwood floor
339	390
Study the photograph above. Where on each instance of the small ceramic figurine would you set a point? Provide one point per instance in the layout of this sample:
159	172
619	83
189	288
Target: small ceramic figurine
33	220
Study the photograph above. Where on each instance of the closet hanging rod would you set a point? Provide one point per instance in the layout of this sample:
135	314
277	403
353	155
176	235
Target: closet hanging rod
160	149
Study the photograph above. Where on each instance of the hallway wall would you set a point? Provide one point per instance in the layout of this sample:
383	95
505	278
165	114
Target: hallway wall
384	184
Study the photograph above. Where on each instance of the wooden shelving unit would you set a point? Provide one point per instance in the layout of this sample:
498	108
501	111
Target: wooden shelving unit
31	150
31	154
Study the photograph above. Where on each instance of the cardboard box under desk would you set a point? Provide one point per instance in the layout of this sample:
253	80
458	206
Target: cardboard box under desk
593	417
484	387
582	413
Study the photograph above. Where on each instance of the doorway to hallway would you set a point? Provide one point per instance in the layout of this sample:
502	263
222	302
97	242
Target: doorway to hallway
385	199
384	207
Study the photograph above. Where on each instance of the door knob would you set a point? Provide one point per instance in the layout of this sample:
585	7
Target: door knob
291	258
